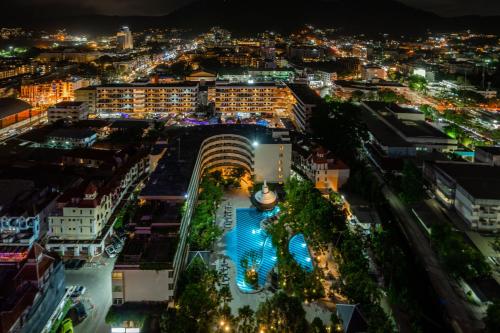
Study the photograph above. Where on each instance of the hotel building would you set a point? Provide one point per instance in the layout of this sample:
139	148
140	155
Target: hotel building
266	154
138	100
246	98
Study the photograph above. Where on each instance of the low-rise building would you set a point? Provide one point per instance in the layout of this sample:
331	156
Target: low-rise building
321	167
15	114
32	290
69	111
472	189
373	72
396	133
71	138
84	215
487	154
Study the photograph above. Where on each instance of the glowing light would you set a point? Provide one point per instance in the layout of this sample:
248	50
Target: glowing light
255	144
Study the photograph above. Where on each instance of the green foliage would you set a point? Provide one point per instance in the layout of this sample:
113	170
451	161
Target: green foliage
357	284
245	321
429	112
317	326
199	301
389	96
460	258
204	231
307	211
391	260
496	244
411	183
340	128
282	313
492	319
417	83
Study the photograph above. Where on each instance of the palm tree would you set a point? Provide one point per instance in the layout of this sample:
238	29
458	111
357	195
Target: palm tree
245	320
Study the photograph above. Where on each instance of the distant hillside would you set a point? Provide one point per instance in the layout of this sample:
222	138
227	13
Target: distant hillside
246	17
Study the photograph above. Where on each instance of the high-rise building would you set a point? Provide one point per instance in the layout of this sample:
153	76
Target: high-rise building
124	40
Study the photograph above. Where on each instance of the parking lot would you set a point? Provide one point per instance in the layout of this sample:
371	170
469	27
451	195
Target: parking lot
96	278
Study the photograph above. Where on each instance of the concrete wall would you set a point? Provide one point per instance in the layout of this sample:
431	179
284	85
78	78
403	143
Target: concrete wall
146	285
270	159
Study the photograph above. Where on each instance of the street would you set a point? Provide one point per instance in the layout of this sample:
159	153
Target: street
460	316
97	298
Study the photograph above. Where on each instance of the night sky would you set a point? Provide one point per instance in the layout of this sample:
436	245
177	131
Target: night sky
159	7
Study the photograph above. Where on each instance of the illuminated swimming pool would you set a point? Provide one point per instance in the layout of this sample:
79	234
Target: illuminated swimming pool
248	237
298	249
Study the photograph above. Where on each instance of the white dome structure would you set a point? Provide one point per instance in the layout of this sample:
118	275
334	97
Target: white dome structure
265	199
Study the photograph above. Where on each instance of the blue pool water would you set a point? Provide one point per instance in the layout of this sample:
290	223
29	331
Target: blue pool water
247	236
298	249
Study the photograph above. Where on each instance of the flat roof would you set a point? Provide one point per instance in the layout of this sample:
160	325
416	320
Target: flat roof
175	168
382	132
306	94
11	106
67	104
480	180
76	133
183	84
409	128
494	150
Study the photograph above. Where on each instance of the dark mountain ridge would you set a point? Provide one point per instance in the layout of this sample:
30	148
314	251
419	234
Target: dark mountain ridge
247	17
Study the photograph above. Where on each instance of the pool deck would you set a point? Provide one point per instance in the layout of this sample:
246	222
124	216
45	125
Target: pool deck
239	198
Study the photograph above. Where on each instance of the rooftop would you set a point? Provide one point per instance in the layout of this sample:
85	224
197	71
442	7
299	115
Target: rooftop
480	180
66	104
10	106
173	174
74	133
306	94
494	150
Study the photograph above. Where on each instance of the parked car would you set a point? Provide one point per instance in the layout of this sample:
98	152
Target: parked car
74	264
77	313
79	291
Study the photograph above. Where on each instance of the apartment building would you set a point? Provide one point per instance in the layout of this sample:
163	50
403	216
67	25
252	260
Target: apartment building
51	92
69	111
246	98
304	100
87	95
138	100
84	215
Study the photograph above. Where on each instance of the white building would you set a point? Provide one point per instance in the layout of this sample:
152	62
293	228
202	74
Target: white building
472	189
326	172
264	153
70	111
124	40
83	217
373	72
